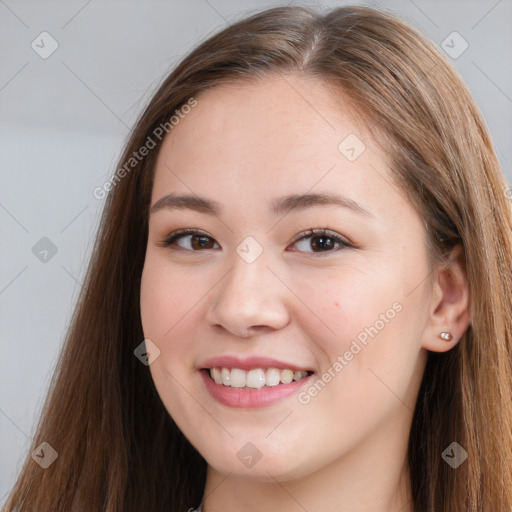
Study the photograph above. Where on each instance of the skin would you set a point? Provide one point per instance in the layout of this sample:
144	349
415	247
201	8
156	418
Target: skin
244	145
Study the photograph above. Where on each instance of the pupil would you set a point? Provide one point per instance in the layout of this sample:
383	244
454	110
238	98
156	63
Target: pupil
323	244
202	241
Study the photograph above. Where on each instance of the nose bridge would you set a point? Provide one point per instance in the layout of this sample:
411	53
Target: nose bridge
247	276
249	296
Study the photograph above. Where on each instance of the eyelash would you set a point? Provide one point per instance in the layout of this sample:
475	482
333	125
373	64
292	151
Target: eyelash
310	233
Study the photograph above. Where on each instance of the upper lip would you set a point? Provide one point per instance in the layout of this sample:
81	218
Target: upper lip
250	363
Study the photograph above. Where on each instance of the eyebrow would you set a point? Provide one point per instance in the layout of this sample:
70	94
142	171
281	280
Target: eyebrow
280	206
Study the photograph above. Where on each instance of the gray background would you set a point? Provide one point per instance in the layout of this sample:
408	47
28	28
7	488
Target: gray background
64	120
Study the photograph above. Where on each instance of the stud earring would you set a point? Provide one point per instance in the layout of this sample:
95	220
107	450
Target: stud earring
447	336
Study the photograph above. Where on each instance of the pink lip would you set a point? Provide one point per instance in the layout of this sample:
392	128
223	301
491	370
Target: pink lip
250	398
250	363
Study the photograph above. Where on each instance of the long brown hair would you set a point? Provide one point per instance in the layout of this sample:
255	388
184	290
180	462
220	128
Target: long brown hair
118	448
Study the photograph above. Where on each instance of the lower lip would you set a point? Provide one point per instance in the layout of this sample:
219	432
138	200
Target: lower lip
250	398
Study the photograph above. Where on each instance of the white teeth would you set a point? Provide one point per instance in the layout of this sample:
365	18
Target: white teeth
286	376
273	377
238	378
216	375
256	378
226	377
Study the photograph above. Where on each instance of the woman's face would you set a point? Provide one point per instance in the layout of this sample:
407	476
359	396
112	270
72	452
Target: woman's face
252	292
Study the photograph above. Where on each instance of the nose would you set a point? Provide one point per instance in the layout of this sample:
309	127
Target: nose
250	300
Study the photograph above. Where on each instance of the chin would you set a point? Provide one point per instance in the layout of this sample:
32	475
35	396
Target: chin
263	464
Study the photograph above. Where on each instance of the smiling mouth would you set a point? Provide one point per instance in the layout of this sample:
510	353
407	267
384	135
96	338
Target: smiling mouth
256	378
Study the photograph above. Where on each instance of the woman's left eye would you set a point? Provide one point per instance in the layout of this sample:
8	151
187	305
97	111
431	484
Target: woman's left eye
326	240
322	241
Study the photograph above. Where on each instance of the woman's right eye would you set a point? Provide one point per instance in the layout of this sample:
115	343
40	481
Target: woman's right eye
188	240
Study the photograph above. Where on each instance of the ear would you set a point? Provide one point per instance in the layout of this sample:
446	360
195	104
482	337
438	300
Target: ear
449	309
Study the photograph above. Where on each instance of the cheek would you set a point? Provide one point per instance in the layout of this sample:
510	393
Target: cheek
349	304
166	297
156	300
166	306
365	324
170	306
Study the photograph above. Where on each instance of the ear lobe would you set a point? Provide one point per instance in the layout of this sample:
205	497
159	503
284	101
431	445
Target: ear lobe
449	309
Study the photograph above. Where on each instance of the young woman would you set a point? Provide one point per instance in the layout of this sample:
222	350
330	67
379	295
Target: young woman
310	230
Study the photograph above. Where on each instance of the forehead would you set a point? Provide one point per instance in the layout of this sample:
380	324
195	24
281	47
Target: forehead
270	113
250	142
